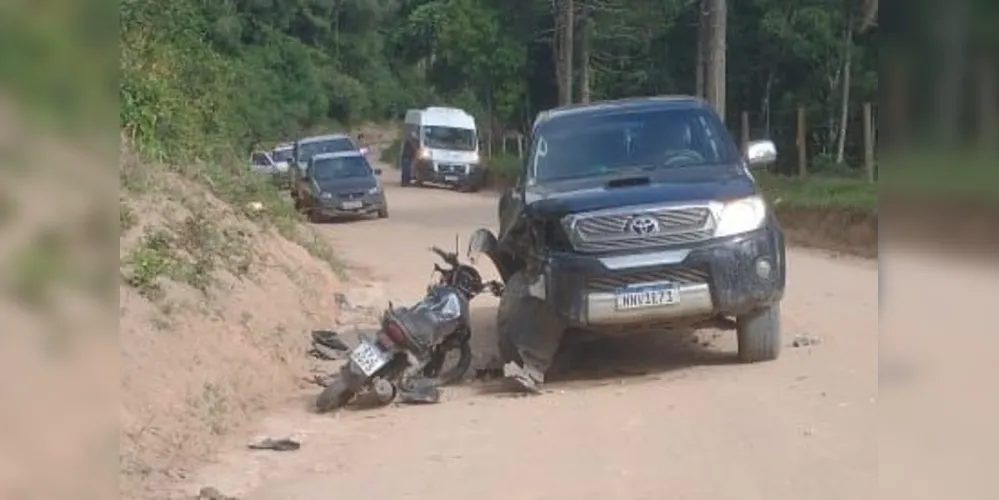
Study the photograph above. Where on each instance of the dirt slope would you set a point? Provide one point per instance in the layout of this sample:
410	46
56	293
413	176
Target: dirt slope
668	416
214	313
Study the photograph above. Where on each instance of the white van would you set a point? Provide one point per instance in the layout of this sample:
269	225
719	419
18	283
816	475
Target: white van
441	146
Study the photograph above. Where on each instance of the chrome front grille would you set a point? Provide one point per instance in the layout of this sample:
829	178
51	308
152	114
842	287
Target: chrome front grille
450	168
608	231
679	275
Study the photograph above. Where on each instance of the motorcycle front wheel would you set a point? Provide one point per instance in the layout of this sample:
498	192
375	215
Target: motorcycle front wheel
443	372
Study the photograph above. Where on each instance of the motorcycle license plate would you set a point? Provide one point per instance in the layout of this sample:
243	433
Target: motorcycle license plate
368	358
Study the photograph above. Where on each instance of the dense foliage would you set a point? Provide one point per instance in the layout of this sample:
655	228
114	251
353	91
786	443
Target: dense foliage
236	72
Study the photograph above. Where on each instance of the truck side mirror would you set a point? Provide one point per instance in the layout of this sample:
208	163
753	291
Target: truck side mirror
761	153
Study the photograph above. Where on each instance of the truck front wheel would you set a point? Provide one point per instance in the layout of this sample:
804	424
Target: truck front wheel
759	335
527	329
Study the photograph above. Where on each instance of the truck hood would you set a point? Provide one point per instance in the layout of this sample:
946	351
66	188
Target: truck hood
350	185
556	199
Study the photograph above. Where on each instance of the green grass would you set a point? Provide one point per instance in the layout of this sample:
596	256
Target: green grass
833	193
946	175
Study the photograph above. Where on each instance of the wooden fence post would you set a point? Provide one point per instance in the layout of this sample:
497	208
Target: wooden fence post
869	141
801	142
745	131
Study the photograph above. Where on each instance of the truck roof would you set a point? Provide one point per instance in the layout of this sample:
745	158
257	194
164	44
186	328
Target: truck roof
441	116
319	138
338	154
618	105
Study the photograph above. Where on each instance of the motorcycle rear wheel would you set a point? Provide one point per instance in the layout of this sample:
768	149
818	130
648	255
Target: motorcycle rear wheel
453	374
337	393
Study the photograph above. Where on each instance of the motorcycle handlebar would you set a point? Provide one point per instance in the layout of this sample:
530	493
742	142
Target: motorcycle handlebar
447	257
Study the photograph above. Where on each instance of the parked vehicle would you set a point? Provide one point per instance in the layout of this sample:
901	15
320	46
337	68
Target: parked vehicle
631	216
413	343
284	154
263	162
442	147
307	147
339	184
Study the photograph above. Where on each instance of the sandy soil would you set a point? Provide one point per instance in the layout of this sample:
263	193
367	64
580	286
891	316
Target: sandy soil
642	418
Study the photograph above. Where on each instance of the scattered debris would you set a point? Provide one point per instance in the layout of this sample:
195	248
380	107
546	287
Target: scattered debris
317	379
210	493
327	346
342	301
803	340
283	444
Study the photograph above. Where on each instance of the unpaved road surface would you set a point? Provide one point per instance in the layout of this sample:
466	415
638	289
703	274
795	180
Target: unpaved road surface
667	417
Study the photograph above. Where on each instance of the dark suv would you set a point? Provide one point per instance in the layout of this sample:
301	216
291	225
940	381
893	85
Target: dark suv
631	216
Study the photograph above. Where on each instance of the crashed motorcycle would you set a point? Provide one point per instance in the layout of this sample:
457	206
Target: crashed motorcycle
412	345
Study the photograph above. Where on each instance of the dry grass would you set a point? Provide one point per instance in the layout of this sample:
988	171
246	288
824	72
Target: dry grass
214	313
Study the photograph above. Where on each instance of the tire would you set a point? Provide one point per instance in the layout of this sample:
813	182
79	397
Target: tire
383	213
338	393
313	216
515	287
520	314
759	335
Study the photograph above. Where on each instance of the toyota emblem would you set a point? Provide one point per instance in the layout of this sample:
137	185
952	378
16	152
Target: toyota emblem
642	225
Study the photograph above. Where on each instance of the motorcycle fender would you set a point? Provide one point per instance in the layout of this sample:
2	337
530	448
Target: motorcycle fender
483	241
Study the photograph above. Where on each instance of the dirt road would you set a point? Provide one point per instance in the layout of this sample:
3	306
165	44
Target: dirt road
652	418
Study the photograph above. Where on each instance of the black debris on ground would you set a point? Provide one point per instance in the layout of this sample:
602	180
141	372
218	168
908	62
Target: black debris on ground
283	444
803	340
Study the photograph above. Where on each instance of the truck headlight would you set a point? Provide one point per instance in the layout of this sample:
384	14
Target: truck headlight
741	216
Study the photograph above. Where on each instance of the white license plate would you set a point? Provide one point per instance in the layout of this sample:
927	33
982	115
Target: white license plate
368	358
638	297
351	205
450	178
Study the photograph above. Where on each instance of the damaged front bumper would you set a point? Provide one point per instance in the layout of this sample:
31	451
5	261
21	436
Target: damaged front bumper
723	277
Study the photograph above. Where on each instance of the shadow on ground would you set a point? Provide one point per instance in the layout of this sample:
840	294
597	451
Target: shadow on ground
612	358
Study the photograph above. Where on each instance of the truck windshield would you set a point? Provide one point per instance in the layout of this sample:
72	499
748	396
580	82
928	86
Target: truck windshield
598	144
344	167
457	139
309	149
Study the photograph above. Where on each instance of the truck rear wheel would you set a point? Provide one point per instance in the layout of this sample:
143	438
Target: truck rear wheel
759	335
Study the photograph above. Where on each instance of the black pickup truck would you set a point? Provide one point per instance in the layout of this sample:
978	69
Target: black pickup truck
631	216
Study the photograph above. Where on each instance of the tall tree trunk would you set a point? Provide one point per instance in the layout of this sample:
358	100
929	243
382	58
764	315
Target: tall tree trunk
767	107
715	80
844	115
558	49
988	105
568	48
870	18
954	37
584	53
703	31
